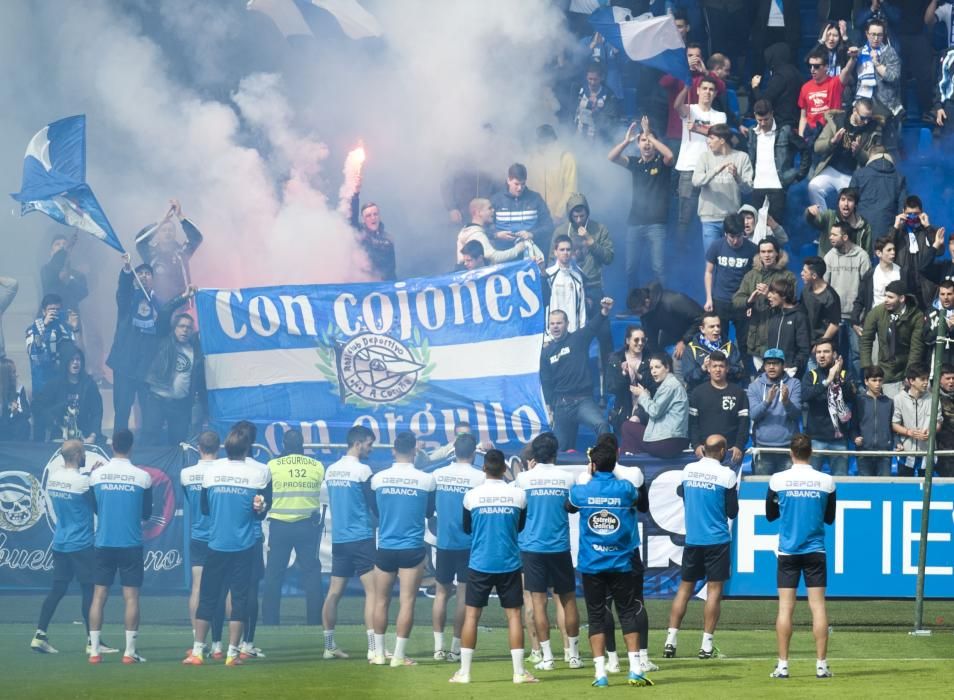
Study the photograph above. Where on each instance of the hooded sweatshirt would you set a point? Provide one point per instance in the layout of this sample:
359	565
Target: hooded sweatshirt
787	329
590	258
774	422
782	88
844	274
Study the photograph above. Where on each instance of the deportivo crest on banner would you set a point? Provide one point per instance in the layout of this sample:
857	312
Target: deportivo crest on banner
420	355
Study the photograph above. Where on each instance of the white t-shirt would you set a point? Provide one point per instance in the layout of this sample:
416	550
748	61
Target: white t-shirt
882	279
766	174
694	144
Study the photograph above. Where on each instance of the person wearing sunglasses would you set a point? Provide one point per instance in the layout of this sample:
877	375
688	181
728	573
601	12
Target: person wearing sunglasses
843	146
817	96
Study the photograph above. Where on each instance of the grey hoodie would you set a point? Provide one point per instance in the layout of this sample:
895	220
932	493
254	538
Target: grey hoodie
774	423
844	274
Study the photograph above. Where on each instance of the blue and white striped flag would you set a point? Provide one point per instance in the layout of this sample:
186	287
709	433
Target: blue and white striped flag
420	355
654	41
54	180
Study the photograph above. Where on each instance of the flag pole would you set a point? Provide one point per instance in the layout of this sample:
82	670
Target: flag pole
939	338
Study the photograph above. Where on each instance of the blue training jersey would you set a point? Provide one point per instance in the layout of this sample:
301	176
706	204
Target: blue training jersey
633	475
229	489
803	494
495	508
69	493
191	479
345	491
121	491
607	508
453	482
405	496
548	526
704	486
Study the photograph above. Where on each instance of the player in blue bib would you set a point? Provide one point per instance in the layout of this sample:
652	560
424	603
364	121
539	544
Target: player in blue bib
804	499
199	528
73	556
453	544
235	497
494	513
405	497
347	492
607	538
545	547
711	499
123	500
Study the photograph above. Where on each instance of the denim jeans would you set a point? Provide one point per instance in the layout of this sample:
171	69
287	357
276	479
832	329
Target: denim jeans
826	184
874	466
569	412
838	465
768	463
711	232
643	240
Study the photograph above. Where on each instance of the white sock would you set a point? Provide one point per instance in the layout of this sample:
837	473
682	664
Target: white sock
599	664
644	656
613	657
94	642
455	645
40	633
370	634
198	648
131	642
438	641
233	650
516	655
378	644
634	664
671	636
574	647
547	651
216	646
329	639
782	665
399	646
820	664
706	641
466	658
193	634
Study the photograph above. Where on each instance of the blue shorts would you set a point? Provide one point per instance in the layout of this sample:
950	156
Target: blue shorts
452	563
352	558
198	552
390	560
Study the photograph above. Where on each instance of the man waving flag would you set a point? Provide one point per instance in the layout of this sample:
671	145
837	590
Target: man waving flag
54	180
654	41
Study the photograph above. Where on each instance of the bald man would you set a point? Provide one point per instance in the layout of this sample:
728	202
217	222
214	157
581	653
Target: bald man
710	497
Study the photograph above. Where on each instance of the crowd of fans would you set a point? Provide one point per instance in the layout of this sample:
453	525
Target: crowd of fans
845	356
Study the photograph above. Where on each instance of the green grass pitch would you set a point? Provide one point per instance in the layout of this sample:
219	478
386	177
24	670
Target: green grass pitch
871	654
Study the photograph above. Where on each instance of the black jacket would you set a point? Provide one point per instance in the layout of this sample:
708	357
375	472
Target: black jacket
787	144
672	317
914	264
788	331
815	404
615	382
930	336
871	421
73	290
162	369
132	350
782	88
565	363
52	403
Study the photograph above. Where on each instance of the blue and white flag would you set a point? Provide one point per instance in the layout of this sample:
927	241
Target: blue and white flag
419	355
654	41
54	180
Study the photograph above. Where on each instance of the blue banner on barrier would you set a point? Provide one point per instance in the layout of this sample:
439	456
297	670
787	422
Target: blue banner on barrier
420	354
872	548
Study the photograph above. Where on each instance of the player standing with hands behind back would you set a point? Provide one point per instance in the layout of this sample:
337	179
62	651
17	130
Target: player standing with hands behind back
804	499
